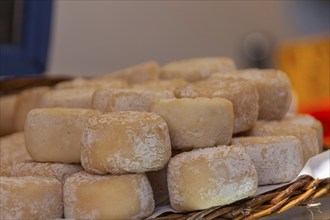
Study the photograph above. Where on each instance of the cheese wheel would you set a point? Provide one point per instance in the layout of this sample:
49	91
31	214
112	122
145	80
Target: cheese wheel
88	196
26	101
12	150
160	85
277	159
125	142
69	98
136	74
306	135
208	177
7	109
114	100
92	83
197	68
58	171
306	121
242	94
273	87
53	134
197	123
158	182
30	198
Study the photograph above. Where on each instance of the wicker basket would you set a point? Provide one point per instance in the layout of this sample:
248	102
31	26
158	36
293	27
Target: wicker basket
300	193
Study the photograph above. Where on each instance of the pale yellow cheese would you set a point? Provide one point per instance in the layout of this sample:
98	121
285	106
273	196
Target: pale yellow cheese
12	150
196	123
88	196
68	98
242	94
54	134
30	198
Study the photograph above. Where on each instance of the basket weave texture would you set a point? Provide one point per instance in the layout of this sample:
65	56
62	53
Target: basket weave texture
300	193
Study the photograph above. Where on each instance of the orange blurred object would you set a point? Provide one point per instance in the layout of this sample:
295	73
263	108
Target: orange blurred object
307	63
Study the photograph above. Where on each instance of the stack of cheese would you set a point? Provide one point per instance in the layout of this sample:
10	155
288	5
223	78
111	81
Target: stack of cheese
114	146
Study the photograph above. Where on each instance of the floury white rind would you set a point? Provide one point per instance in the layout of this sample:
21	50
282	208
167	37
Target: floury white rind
125	142
30	198
277	159
88	196
307	135
208	177
197	123
54	134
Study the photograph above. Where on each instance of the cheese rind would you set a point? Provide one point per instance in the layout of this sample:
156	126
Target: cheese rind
160	85
88	196
54	134
196	123
136	74
277	159
68	98
92	83
26	101
273	88
306	121
30	198
125	142
114	100
242	94
12	150
59	171
208	177
307	136
197	68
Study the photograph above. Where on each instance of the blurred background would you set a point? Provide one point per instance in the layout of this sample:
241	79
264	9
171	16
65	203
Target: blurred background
94	37
88	38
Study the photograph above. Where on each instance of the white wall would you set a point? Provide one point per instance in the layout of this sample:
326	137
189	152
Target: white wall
95	37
